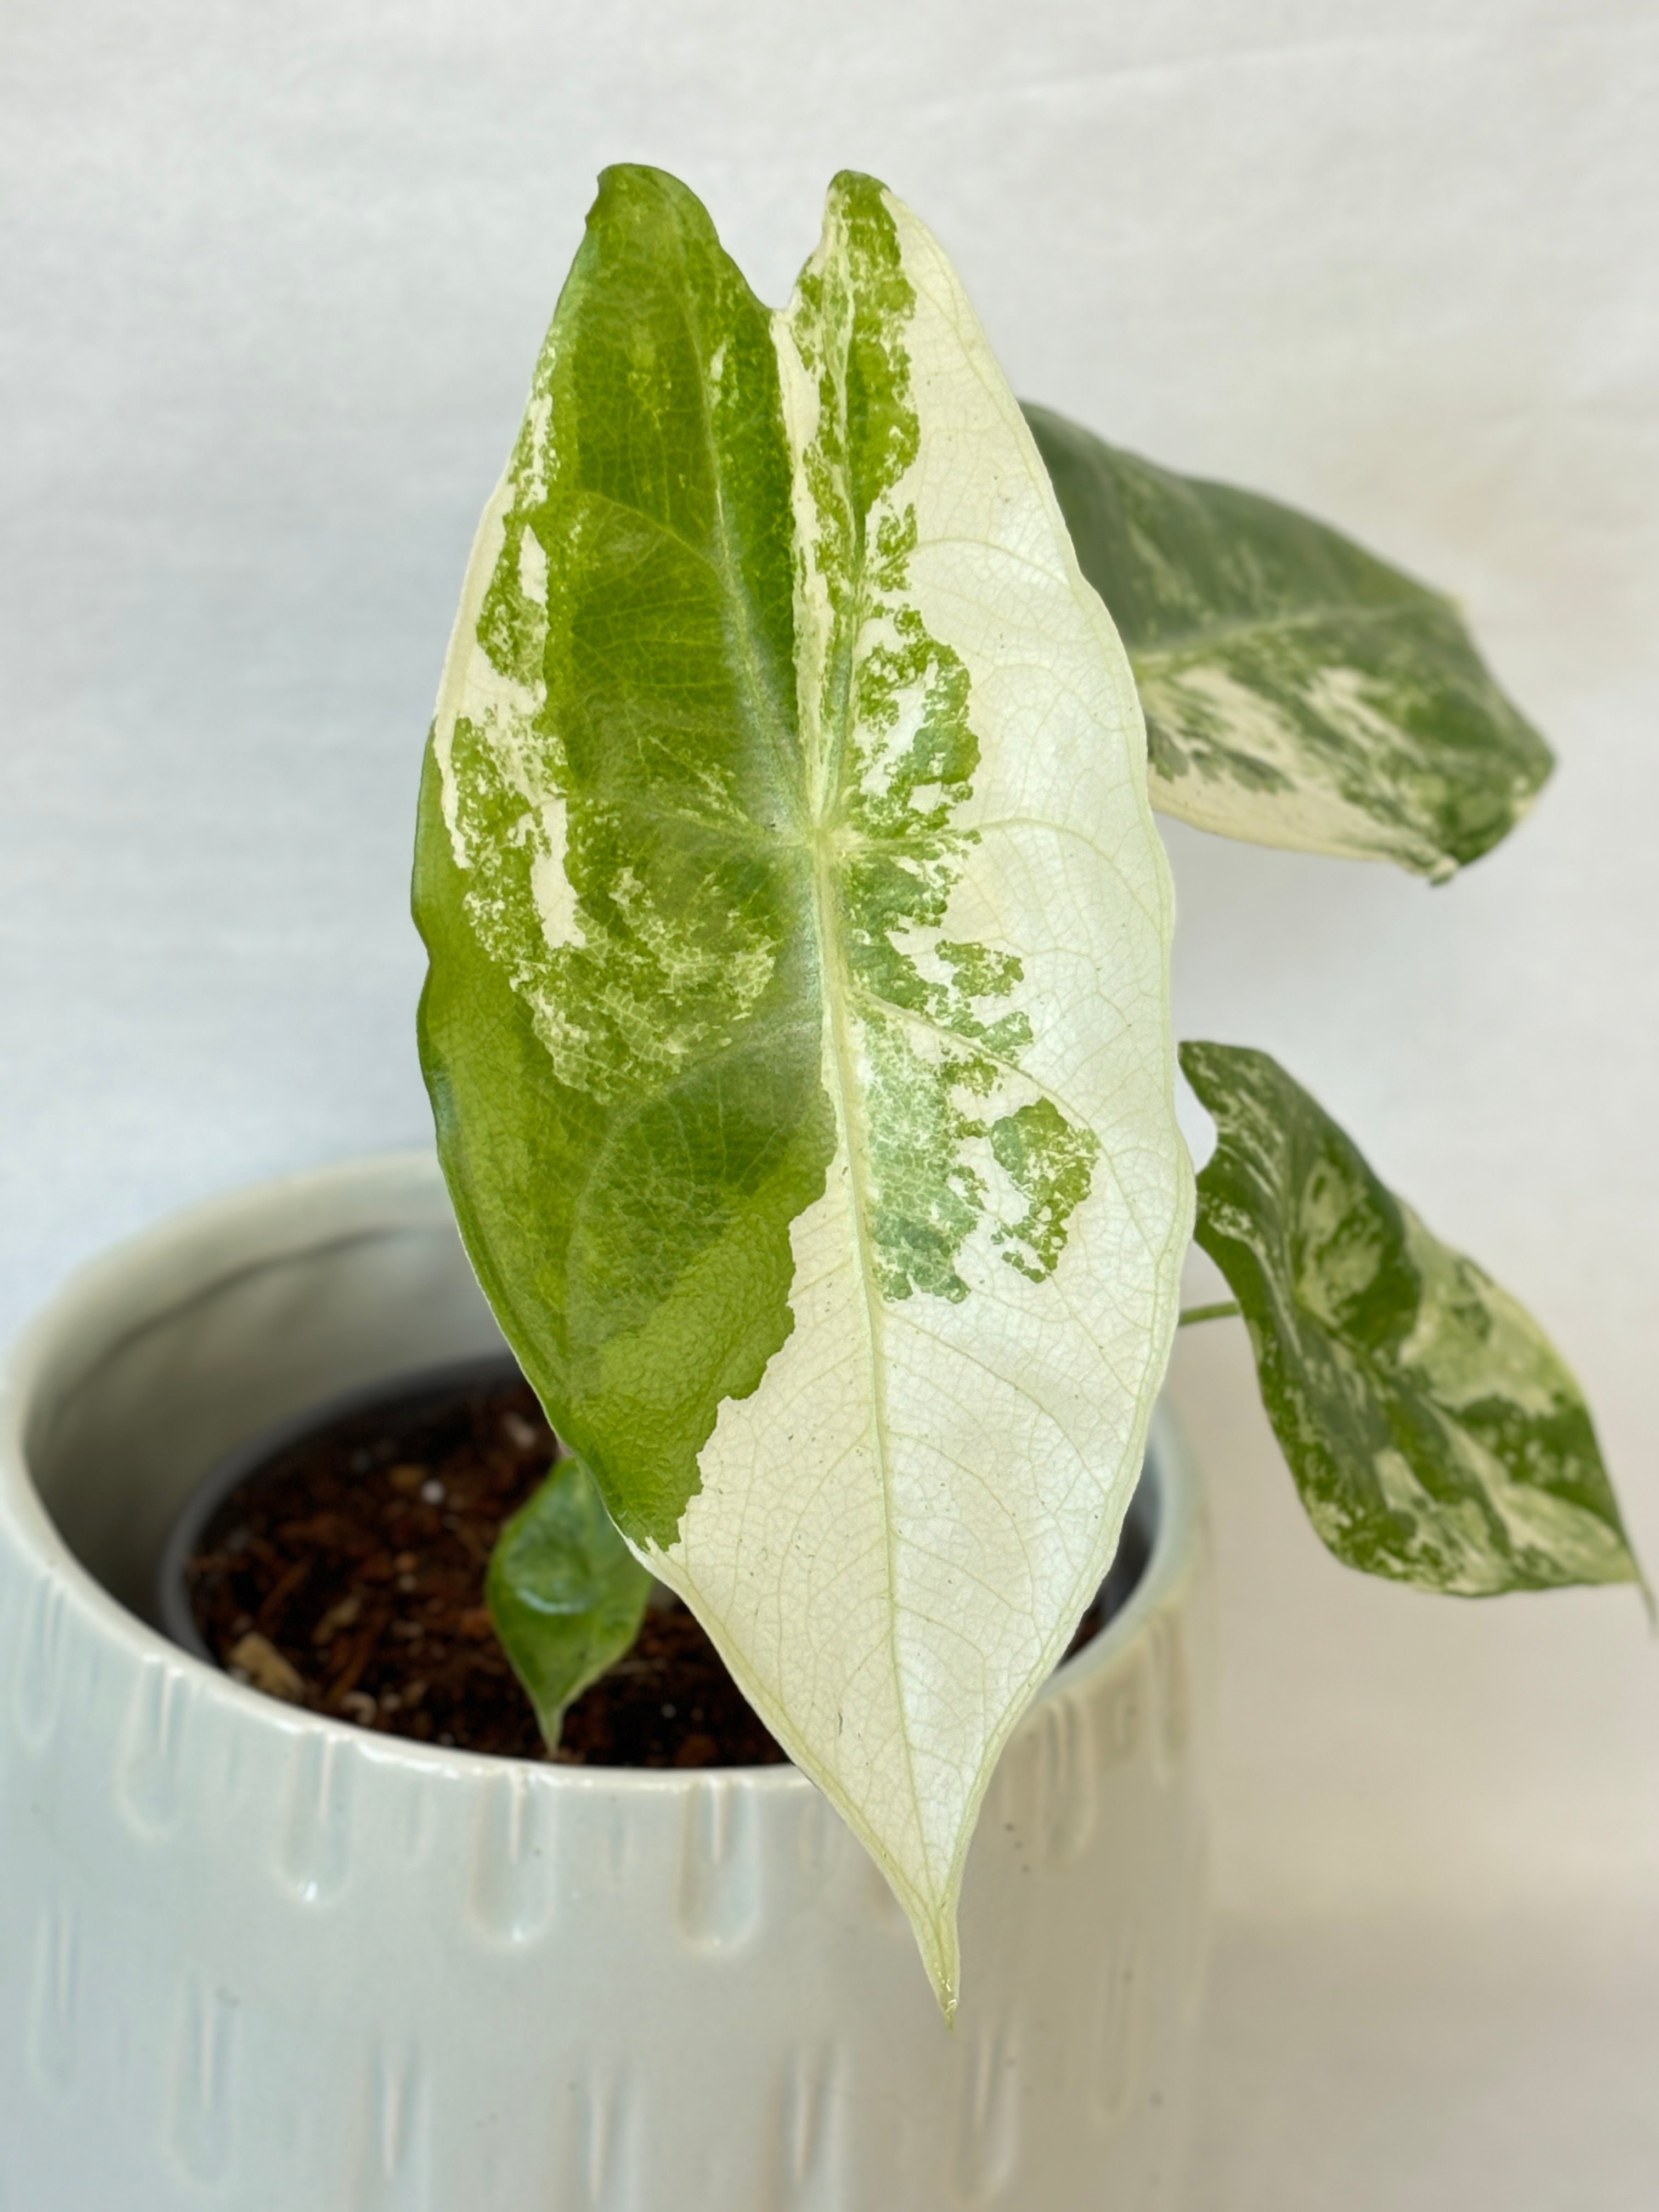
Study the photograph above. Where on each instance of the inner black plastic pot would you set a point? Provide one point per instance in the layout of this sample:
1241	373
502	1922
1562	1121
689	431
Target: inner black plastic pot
403	1396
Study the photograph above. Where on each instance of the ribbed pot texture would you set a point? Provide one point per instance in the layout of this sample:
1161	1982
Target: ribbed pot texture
255	1960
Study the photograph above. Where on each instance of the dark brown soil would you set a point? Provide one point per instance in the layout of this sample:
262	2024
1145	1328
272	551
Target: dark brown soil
347	1575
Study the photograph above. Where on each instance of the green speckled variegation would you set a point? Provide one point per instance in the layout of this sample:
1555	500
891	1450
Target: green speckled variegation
1298	691
1435	1435
797	1024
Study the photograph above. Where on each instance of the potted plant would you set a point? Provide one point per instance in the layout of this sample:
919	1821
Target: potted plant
797	1032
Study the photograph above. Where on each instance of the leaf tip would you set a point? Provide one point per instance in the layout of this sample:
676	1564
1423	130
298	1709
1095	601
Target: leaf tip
934	1924
942	1954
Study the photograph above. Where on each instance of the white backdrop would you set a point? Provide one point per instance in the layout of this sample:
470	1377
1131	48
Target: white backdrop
274	280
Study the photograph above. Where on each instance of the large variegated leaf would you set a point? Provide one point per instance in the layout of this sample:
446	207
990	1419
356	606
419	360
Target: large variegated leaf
1298	691
1435	1436
797	1022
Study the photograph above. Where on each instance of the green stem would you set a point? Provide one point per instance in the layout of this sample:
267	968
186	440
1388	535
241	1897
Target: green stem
1223	1311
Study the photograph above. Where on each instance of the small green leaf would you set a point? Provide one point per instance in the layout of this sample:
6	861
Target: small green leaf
1434	1433
1298	691
565	1593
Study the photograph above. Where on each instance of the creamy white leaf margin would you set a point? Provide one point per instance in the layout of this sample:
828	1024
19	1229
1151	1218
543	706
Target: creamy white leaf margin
897	1531
1304	766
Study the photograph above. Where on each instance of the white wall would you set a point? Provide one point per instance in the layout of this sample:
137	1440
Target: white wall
274	278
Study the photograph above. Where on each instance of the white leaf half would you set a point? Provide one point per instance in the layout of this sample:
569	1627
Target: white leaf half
896	1532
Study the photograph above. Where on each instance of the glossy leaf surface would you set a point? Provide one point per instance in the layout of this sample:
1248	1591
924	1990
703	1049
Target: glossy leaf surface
1298	691
1435	1435
797	1024
565	1593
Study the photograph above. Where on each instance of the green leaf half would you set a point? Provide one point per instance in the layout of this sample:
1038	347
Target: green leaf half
798	1024
565	1593
1298	691
1435	1435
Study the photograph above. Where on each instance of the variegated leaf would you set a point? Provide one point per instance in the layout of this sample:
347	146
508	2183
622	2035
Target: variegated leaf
1298	691
1435	1435
798	1021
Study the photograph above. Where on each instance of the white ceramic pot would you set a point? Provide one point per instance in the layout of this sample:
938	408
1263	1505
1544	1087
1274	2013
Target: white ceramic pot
257	1960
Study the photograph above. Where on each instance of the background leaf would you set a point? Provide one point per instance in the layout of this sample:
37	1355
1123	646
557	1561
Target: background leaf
1297	690
565	1593
1434	1433
798	1021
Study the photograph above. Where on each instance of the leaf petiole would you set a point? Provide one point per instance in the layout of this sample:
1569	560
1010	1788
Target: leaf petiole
1223	1309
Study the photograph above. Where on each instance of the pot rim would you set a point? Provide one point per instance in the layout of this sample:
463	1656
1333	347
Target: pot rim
103	1287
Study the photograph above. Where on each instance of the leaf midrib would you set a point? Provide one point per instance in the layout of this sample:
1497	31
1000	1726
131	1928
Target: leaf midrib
828	790
816	834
